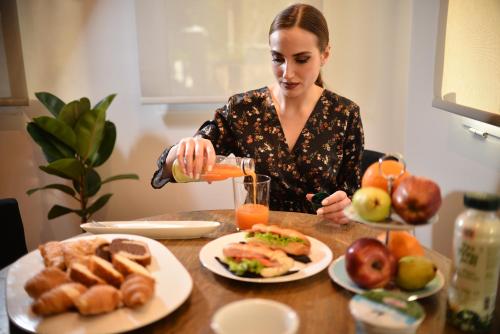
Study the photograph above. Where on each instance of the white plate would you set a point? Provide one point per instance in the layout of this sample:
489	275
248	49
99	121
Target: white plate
320	256
339	275
161	229
394	223
173	287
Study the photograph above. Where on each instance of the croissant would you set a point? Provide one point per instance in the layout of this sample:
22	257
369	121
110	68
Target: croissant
99	299
59	299
45	280
52	254
137	290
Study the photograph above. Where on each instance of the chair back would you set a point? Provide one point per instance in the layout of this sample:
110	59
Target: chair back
12	232
368	158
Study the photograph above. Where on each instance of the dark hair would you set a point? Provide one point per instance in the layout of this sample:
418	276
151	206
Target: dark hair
308	18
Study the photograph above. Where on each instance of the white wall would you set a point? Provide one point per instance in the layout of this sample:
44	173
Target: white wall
95	54
436	143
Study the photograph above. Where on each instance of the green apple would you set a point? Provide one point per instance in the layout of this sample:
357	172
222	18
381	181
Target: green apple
371	203
414	272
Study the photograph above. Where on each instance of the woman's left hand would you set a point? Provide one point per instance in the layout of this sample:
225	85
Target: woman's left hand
333	207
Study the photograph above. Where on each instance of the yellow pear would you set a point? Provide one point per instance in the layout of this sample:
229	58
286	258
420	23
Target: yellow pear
414	272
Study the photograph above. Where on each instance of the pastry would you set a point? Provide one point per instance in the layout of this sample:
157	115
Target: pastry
135	250
137	290
126	266
99	299
44	281
57	300
106	271
82	274
52	254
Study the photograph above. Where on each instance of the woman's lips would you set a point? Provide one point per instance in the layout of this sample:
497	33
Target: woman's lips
289	85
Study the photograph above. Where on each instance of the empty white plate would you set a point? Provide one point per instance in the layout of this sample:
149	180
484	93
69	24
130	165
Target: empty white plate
158	229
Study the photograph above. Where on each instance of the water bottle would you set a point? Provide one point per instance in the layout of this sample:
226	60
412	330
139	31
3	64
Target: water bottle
224	168
476	264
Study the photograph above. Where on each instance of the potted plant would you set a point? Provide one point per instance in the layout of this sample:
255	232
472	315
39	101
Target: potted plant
75	140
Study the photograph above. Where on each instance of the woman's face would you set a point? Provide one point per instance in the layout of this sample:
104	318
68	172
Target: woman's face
296	60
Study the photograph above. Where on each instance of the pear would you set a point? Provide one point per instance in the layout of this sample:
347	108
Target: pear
414	272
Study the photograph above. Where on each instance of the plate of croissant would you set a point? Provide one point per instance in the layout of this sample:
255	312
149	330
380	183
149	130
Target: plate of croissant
106	284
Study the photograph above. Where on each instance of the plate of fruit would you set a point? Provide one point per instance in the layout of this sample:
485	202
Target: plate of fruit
391	197
400	266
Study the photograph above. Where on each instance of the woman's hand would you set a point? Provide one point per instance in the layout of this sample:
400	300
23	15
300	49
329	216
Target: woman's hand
333	207
195	155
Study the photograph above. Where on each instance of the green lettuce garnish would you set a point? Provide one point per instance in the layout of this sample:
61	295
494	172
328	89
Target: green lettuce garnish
245	265
274	239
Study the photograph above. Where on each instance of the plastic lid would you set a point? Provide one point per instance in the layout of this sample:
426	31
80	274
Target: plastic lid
385	309
481	201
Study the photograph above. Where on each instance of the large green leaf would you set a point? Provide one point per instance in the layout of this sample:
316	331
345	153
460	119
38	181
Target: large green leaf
52	148
99	203
71	112
92	183
68	168
51	102
121	177
104	103
107	144
62	187
89	130
58	210
58	129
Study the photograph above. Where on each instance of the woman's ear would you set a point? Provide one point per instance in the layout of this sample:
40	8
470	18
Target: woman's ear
325	55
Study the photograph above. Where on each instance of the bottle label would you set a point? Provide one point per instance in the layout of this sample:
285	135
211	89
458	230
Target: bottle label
471	298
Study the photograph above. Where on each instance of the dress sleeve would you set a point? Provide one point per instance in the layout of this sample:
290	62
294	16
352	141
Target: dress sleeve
158	180
349	178
219	130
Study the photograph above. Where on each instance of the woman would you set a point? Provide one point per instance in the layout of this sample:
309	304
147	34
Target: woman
306	138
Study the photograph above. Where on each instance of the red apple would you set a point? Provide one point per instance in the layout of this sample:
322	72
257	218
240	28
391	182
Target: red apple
369	263
416	199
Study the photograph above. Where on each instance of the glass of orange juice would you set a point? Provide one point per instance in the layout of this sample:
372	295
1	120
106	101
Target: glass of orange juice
251	200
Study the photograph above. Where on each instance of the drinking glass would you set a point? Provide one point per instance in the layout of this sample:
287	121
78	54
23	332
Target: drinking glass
251	200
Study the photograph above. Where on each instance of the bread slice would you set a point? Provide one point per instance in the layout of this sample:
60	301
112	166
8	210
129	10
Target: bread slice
135	250
126	266
106	271
82	274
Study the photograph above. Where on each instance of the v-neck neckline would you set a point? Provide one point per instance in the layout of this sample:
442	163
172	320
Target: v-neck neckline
305	127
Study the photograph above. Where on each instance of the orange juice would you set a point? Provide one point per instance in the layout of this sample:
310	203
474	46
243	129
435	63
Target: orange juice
221	172
249	214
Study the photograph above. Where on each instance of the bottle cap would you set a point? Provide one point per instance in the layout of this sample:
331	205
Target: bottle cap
482	201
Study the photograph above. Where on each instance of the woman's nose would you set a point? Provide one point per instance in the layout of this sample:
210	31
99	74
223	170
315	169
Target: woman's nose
288	70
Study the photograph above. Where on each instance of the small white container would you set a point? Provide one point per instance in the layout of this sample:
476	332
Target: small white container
385	314
250	316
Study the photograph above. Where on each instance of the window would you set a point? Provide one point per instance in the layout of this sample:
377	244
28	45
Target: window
467	73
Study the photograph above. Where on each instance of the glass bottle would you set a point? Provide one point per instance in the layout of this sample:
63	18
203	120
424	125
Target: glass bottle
476	264
224	168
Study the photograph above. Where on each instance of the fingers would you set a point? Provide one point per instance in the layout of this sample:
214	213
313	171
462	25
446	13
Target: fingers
195	155
309	197
333	207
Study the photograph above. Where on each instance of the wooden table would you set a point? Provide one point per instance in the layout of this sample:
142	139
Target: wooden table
321	304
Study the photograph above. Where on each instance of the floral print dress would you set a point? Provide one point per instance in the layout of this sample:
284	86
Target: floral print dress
326	156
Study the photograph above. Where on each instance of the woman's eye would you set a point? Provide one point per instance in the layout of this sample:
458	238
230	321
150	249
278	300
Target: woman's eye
277	60
302	60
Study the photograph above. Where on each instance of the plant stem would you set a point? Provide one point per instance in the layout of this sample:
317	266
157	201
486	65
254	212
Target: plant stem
83	199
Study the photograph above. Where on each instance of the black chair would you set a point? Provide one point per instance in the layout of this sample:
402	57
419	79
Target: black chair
13	241
368	158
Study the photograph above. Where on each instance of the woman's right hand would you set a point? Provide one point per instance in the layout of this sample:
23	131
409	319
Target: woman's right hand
195	155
